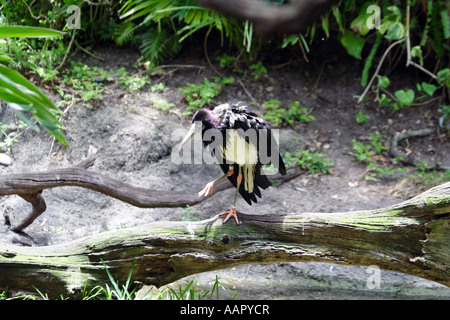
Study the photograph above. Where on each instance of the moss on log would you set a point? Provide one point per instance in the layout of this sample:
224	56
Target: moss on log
411	237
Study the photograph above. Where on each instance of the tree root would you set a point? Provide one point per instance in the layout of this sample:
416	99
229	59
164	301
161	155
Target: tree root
409	159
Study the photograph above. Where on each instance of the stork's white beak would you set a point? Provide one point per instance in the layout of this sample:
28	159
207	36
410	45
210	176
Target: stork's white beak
189	135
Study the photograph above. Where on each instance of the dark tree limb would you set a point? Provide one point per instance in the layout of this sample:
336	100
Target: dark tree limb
269	18
38	207
411	237
410	159
29	186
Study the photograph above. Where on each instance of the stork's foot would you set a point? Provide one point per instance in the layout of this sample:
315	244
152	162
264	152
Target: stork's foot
207	189
231	213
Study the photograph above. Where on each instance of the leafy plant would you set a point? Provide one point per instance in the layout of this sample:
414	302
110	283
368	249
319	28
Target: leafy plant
405	98
229	62
199	95
168	23
312	161
277	115
365	152
88	81
188	214
258	70
370	153
21	94
125	292
161	104
362	118
376	171
133	83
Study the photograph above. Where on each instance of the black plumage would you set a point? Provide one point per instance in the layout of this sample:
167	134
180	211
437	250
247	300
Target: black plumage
241	119
236	124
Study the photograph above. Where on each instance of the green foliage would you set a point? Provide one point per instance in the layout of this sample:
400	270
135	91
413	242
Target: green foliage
371	154
258	70
86	80
89	81
312	161
377	171
405	98
429	178
353	43
162	104
125	292
365	152
158	45
168	23
22	95
278	115
114	291
28	32
361	118
229	62
132	83
200	95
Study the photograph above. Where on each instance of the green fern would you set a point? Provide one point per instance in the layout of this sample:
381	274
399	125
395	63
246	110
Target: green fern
123	33
157	45
436	29
178	20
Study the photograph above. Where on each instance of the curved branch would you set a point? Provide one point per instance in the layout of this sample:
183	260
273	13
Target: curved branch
30	185
409	159
411	237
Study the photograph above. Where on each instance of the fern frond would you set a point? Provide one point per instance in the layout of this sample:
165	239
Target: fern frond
158	45
123	33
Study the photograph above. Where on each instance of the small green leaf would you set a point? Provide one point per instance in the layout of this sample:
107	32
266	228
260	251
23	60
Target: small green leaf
429	88
28	32
395	11
396	31
24	96
361	23
405	98
383	81
416	52
445	23
444	77
326	26
5	57
337	15
353	43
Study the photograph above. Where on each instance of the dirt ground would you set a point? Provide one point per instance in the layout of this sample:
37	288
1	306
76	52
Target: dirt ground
134	143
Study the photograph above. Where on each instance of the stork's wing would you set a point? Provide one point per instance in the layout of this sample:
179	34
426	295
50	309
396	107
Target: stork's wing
241	120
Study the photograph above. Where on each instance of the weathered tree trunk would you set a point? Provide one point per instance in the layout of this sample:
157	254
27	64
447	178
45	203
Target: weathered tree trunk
411	237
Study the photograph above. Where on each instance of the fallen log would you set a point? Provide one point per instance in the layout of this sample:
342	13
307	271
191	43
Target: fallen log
411	237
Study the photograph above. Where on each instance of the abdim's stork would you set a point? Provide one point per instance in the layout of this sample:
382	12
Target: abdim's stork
244	136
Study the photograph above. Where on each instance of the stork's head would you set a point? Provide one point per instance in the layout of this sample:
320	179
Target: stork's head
202	120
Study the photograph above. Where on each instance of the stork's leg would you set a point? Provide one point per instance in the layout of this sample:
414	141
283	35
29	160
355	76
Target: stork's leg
232	211
209	186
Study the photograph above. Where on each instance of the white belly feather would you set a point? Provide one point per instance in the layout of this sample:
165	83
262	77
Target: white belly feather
238	151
